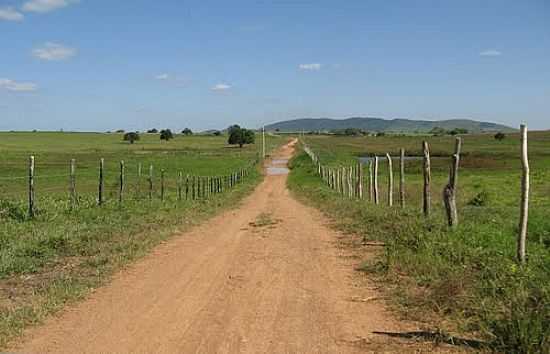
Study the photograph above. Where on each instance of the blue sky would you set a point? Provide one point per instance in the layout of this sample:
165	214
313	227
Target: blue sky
103	65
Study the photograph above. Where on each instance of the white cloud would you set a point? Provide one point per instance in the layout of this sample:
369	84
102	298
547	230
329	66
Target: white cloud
310	66
53	52
46	5
162	77
11	85
221	87
490	53
10	14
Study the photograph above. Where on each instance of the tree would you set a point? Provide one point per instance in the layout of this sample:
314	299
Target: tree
131	137
240	136
438	131
232	128
153	131
217	133
120	131
166	134
457	131
187	131
500	136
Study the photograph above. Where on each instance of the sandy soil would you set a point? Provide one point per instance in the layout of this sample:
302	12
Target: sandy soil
267	277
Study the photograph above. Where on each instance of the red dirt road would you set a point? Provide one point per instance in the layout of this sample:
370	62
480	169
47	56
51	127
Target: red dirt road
267	277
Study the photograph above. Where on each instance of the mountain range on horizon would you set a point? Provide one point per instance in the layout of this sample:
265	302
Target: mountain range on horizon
398	125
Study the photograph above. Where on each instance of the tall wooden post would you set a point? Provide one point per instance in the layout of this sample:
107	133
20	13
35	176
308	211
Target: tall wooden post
121	181
263	142
162	184
524	210
375	181
427	198
390	180
72	183
402	178
180	185
101	184
150	180
138	182
360	180
371	180
31	187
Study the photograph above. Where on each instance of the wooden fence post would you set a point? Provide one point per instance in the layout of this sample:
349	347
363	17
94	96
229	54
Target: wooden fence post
121	190
524	210
138	182
150	182
31	187
100	189
390	180
180	186
162	184
186	186
72	182
375	181
450	190
371	180
402	178
360	180
427	198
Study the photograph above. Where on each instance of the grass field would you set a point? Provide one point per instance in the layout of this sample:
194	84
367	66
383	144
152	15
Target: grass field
466	280
61	254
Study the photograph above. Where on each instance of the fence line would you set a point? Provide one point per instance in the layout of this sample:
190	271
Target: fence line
196	186
336	178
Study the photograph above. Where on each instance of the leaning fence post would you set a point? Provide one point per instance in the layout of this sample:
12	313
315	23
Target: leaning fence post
72	182
427	198
31	186
402	178
524	211
450	190
100	188
121	190
375	181
390	180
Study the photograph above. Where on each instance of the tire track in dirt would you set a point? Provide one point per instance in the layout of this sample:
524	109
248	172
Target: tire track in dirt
264	278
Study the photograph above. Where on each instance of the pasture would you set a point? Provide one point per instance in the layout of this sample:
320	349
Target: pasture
64	251
466	280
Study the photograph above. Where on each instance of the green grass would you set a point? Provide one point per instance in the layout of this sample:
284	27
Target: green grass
466	280
62	253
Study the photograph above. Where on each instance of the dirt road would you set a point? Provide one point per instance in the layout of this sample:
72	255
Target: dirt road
267	277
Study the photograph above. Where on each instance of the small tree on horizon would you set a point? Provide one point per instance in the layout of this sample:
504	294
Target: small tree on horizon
240	136
131	137
500	136
187	131
166	134
153	131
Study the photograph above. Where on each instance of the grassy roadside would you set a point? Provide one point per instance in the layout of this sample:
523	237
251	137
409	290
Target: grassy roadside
465	280
60	255
65	255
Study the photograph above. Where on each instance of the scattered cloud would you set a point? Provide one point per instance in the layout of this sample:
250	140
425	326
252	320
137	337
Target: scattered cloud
310	66
490	53
11	85
43	6
221	87
10	14
54	52
163	76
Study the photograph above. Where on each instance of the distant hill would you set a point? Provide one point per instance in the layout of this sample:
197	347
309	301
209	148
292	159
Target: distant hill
385	125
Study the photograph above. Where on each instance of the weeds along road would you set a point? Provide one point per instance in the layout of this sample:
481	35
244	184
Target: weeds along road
267	277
